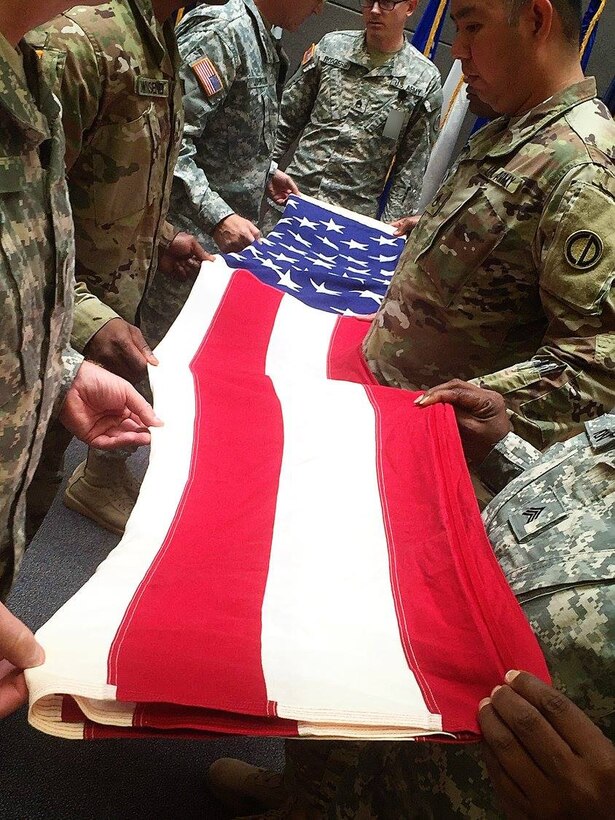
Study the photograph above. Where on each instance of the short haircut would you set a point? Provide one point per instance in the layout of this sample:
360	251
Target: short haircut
569	11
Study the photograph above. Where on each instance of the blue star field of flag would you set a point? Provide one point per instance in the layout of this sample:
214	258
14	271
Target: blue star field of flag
328	260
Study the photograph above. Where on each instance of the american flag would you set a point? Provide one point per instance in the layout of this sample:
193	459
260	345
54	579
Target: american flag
327	257
306	556
207	76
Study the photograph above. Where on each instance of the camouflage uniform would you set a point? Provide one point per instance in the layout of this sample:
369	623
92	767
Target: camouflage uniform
354	120
511	269
229	133
36	285
114	68
553	530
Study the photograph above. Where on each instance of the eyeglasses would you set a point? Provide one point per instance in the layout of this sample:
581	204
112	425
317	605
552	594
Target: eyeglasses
385	5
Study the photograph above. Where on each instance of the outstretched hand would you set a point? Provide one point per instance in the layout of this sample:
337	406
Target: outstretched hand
18	651
106	411
280	186
481	415
545	757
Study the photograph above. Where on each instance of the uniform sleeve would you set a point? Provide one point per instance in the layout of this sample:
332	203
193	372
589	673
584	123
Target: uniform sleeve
297	103
167	234
72	361
508	459
198	108
413	154
90	316
571	377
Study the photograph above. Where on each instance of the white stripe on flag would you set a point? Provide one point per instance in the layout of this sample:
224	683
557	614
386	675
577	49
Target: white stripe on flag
319	648
92	617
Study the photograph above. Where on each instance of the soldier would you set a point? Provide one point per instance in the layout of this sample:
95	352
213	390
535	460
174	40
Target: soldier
552	527
114	69
233	69
40	375
364	106
508	275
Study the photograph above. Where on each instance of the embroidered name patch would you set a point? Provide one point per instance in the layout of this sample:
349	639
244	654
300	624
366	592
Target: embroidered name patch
152	88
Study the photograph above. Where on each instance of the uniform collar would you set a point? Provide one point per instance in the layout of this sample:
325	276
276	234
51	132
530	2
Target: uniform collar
267	41
17	100
150	29
392	68
511	133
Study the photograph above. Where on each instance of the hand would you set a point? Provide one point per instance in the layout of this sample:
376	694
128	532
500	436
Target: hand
18	651
481	415
280	186
182	259
405	225
545	757
105	411
121	348
235	233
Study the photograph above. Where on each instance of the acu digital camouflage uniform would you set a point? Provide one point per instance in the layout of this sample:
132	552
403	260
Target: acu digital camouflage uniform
36	285
229	133
553	531
355	120
511	269
114	69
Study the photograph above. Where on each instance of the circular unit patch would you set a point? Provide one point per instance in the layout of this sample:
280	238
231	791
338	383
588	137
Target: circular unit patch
584	250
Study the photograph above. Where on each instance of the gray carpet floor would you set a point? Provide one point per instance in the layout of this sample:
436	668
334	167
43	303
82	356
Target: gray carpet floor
44	777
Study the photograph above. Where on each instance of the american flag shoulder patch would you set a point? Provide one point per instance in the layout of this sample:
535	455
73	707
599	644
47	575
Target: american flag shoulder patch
308	54
208	77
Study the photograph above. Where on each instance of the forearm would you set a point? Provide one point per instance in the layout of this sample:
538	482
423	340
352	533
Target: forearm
210	208
90	316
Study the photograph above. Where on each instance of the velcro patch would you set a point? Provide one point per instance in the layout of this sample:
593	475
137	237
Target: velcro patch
147	87
308	54
584	250
208	77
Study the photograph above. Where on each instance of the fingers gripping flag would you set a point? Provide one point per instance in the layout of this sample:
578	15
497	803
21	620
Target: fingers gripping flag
327	257
306	557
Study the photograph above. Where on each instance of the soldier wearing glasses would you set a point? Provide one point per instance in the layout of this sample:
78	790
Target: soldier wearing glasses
363	103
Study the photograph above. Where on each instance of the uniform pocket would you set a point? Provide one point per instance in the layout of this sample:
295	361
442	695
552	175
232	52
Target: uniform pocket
119	168
468	230
263	102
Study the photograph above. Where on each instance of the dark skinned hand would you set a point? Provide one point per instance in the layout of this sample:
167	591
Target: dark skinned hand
481	415
545	757
120	348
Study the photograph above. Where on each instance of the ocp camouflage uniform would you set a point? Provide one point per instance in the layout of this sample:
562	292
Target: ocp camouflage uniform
553	531
509	274
114	69
356	120
229	133
36	285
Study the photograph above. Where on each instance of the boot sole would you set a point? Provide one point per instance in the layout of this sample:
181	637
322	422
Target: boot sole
75	505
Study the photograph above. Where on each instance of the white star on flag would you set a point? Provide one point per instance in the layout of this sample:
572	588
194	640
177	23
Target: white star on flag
382	240
333	226
356	270
324	289
319	263
382	258
354	261
292	249
304	222
286	281
291	203
369	294
264	241
327	242
253	250
267	263
298	238
352	245
348	312
281	257
326	258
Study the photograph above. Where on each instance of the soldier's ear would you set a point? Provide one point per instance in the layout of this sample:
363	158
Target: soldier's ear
537	17
412	7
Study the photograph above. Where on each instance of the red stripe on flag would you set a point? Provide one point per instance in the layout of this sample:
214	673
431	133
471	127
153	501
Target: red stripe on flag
439	553
222	530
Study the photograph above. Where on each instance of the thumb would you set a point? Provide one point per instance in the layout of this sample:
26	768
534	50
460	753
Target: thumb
17	643
137	405
198	252
139	341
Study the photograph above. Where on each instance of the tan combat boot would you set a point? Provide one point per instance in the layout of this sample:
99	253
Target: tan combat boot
103	489
245	789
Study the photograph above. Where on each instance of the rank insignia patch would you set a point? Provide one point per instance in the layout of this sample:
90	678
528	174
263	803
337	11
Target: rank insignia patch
208	77
584	250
